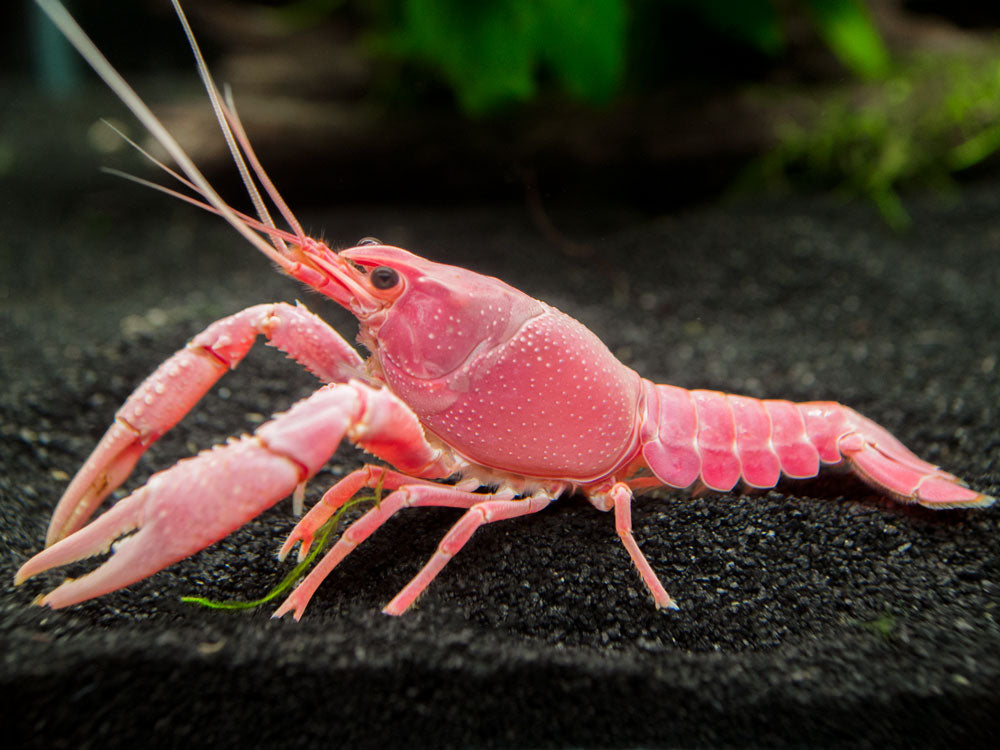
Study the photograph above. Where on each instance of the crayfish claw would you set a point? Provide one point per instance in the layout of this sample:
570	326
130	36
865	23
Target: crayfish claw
95	539
304	532
173	516
295	537
107	467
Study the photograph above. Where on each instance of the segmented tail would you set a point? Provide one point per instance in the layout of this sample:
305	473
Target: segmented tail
720	439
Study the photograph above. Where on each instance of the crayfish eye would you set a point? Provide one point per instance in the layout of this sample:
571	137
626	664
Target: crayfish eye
383	277
368	241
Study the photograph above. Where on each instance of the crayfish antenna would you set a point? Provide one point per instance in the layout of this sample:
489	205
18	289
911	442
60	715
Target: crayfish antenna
248	220
234	120
238	145
89	51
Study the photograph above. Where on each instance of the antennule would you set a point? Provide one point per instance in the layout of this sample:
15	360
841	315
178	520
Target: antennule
88	50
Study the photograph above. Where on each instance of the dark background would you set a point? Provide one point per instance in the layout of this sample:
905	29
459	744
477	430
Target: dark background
815	614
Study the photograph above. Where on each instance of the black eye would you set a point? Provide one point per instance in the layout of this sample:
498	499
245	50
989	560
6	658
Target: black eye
383	277
368	241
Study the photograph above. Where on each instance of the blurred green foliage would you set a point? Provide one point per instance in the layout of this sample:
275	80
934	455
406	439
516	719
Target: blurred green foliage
847	29
890	123
492	53
845	26
931	117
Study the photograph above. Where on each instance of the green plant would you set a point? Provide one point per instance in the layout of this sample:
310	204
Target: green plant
495	52
490	52
319	544
933	117
844	25
848	31
885	626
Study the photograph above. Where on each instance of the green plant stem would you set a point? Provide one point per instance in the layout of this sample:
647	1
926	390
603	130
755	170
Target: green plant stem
298	571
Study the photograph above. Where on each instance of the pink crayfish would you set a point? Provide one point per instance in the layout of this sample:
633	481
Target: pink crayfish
468	379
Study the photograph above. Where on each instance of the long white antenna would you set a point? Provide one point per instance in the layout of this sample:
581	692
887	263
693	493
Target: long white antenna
88	50
234	119
216	99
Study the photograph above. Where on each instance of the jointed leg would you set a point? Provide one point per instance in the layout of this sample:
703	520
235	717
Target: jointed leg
487	511
410	495
621	496
369	476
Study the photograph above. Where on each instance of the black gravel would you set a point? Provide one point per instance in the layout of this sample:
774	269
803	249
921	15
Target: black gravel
817	614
